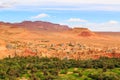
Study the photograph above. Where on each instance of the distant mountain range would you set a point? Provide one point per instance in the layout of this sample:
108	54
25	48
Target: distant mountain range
37	25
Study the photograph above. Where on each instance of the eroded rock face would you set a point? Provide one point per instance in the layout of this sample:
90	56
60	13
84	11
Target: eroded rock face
83	32
86	34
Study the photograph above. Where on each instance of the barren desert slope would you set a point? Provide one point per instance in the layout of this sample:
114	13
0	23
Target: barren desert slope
53	40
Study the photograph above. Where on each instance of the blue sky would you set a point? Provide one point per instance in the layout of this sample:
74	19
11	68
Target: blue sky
97	15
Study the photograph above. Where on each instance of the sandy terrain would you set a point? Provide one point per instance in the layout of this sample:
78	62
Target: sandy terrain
78	43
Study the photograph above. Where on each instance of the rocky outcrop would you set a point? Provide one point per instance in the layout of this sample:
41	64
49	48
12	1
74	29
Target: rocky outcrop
84	32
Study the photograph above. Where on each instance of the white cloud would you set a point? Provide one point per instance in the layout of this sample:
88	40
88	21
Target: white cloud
32	2
76	20
111	25
90	1
42	15
113	22
109	5
6	5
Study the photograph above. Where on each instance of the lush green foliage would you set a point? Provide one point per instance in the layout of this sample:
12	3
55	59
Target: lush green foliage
35	68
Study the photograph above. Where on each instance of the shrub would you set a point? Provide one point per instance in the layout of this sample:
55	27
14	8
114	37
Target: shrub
63	71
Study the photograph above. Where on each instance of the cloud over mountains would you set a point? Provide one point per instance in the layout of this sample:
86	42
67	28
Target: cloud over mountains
76	20
42	15
93	14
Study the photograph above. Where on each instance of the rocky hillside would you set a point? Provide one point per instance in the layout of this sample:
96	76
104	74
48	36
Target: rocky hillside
37	25
83	32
